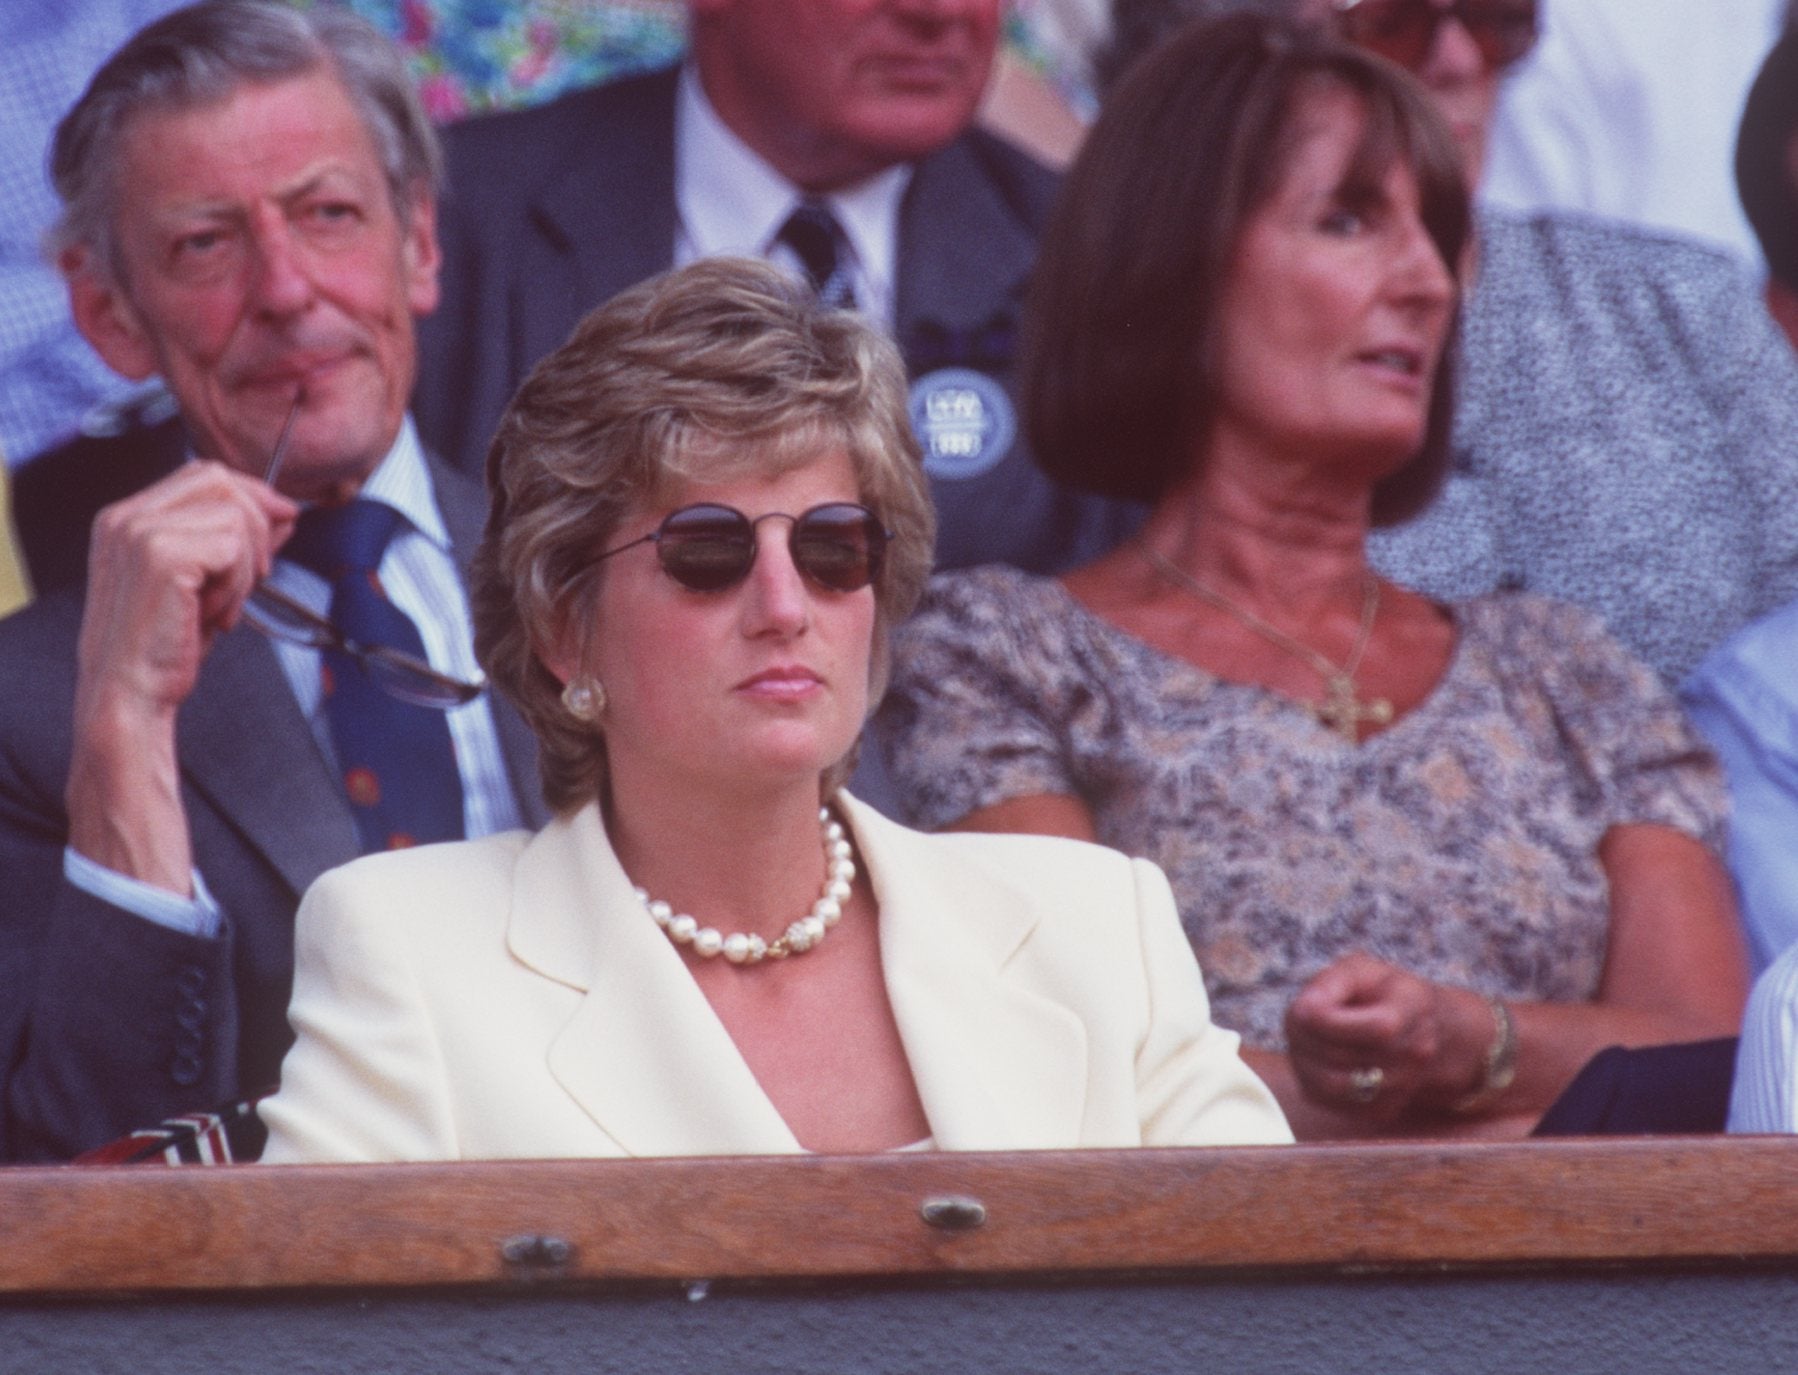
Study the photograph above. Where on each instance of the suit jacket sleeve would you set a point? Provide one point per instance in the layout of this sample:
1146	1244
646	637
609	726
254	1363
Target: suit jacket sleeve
108	1022
1193	1087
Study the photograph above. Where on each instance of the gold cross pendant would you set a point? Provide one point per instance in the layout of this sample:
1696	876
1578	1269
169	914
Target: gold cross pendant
1343	712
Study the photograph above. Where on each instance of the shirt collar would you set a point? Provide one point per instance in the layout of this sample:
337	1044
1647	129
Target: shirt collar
732	202
403	481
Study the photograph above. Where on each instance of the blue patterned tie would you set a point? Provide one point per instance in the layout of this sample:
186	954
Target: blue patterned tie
813	233
397	761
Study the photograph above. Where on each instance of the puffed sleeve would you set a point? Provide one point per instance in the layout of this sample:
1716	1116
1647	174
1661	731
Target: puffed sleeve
978	681
366	1078
1193	1088
1639	758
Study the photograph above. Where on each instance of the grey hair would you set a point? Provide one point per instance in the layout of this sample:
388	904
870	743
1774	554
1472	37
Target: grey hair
201	54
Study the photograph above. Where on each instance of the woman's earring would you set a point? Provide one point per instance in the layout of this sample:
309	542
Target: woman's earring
585	698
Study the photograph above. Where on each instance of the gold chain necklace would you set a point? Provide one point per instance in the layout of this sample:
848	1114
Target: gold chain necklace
1342	709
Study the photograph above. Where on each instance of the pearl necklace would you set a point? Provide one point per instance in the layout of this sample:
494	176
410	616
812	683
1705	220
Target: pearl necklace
745	947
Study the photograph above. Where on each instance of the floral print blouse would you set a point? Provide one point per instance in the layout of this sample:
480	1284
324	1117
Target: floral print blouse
1460	843
471	56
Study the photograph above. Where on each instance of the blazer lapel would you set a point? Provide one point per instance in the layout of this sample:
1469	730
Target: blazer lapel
279	793
998	1067
644	1055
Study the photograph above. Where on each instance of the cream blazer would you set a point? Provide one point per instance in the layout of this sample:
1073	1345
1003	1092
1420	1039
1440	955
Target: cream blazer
509	997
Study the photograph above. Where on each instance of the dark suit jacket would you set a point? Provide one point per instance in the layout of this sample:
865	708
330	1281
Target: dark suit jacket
107	1021
57	495
1677	1089
554	210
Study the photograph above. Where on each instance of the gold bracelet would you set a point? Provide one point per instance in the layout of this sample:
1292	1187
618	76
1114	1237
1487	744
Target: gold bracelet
1500	1066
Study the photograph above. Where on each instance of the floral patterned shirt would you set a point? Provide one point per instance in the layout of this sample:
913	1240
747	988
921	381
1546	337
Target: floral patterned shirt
1460	843
471	56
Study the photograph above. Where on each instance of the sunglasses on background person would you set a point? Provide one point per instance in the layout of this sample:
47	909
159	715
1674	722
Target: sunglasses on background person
708	548
1404	31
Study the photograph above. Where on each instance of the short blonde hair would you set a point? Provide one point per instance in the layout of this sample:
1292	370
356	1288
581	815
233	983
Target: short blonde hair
719	370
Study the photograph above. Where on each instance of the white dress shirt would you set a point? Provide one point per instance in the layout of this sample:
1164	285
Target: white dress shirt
1744	697
1764	1097
730	202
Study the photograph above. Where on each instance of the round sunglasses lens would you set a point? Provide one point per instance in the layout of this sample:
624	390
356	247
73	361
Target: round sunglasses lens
1404	31
1399	30
1505	33
706	548
839	547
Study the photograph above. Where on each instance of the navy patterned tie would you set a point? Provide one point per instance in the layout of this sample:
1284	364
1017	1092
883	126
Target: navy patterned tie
813	233
398	764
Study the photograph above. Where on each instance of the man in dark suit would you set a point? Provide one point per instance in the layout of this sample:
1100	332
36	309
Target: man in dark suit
862	110
249	215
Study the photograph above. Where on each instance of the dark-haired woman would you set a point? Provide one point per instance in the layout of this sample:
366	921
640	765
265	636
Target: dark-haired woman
1623	406
1432	856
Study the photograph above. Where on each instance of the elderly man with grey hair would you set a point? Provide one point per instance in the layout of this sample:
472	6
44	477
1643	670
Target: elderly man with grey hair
265	668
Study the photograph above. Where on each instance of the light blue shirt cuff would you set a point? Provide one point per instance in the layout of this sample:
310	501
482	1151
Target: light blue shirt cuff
196	916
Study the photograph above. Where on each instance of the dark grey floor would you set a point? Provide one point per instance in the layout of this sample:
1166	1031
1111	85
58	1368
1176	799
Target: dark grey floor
1688	1323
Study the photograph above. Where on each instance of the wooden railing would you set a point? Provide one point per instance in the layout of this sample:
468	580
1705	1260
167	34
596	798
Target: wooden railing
101	1232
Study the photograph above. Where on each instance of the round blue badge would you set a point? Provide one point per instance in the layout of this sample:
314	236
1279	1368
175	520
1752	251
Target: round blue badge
964	422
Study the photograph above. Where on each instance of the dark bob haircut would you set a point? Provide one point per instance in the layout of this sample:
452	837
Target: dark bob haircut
1121	334
1765	165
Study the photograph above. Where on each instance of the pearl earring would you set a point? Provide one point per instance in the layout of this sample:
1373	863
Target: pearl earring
585	698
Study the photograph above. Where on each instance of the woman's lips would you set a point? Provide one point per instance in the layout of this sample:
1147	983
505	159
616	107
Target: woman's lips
1404	361
786	683
1399	365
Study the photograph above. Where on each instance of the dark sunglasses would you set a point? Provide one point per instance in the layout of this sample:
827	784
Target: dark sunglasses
1405	30
707	548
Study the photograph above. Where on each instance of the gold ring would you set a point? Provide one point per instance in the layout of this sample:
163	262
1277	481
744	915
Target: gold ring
1365	1083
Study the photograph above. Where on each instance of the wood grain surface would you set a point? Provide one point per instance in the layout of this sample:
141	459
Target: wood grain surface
77	1231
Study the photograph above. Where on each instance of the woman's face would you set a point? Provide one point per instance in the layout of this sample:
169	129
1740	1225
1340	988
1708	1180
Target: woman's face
760	683
1336	309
